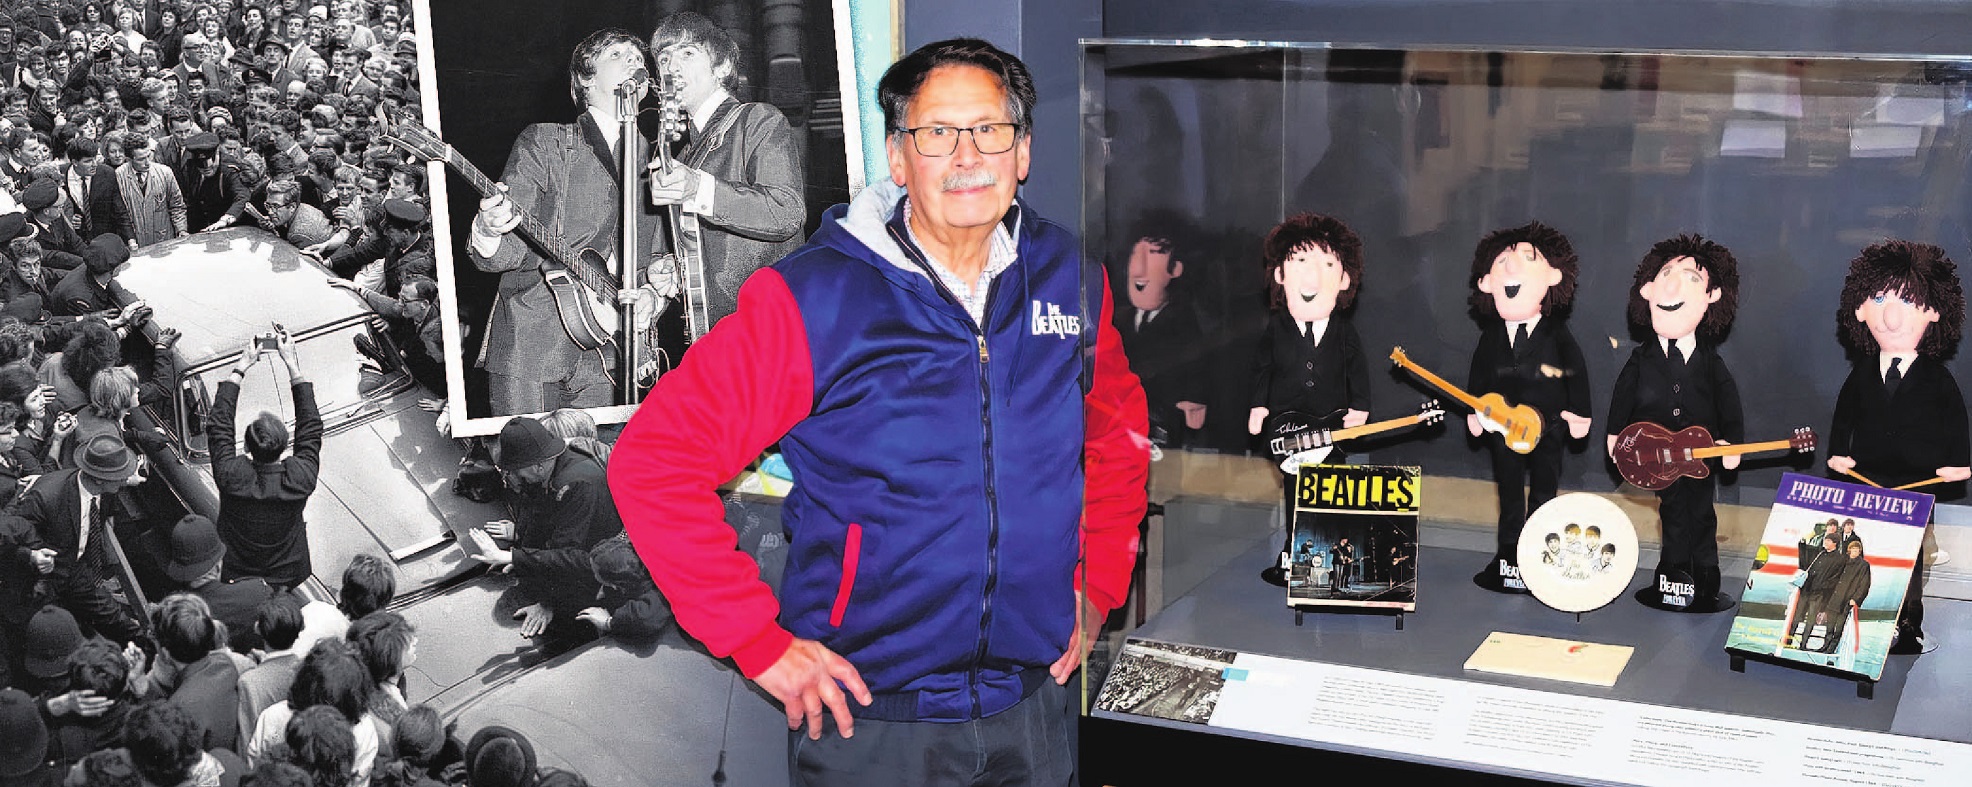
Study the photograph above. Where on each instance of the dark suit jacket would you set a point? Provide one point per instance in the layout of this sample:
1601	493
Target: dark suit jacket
237	604
1701	393
1292	374
18	597
1166	353
260	505
105	212
563	175
757	205
1545	372
224	193
558	525
1906	438
78	294
210	691
54	506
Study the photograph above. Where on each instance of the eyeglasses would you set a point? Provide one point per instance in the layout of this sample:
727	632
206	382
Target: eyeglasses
940	141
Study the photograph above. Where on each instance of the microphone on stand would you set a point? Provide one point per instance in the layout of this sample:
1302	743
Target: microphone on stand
637	79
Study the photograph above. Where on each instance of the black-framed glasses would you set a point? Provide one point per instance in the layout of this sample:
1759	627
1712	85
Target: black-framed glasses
940	141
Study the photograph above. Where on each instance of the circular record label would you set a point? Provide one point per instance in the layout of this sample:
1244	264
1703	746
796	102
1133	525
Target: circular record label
1578	552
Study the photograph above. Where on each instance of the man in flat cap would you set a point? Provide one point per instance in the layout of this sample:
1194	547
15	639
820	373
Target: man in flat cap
215	191
48	218
92	288
563	504
272	67
384	260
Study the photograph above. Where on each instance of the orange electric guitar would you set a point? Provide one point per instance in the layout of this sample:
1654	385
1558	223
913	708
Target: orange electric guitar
1653	457
1519	424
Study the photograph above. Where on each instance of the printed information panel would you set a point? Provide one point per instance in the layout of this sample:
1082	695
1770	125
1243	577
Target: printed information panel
1487	725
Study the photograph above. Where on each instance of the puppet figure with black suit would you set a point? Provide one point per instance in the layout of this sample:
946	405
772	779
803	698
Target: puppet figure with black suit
1162	335
1310	359
1523	279
1900	418
1687	290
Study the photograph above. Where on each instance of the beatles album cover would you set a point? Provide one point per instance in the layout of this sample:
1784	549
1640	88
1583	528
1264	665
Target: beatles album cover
1830	575
1354	541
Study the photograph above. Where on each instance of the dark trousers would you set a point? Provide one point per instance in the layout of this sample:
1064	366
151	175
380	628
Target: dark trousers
1031	743
1691	524
586	386
82	593
1525	483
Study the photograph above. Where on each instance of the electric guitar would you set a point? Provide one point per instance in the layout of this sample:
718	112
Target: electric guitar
580	280
1653	457
1298	439
1519	424
686	248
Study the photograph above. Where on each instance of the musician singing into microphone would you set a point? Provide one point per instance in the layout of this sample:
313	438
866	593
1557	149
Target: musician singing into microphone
738	176
566	176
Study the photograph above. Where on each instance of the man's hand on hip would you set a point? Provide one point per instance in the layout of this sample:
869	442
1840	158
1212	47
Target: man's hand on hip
805	681
1088	623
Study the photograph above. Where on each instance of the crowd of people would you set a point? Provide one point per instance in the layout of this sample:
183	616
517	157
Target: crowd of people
126	124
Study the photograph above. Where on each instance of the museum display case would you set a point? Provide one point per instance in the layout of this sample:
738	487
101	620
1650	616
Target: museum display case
1194	151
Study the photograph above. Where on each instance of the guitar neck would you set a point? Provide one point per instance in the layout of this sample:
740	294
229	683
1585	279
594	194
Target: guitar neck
1369	429
1746	448
1439	382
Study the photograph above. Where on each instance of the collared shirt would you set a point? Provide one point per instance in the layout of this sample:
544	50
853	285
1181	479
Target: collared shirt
1513	329
1686	344
1144	317
1883	363
1314	332
1000	255
89	502
701	199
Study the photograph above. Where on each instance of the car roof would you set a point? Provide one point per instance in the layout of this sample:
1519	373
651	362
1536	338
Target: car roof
221	288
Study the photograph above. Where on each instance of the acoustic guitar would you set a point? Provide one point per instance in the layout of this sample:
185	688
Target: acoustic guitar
1652	457
1299	439
1518	424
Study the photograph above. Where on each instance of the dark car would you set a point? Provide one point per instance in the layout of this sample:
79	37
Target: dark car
385	485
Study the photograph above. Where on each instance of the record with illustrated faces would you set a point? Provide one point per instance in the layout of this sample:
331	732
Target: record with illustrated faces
1578	552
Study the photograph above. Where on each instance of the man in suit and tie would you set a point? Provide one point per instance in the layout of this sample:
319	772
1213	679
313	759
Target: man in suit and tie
73	513
90	188
564	175
1162	335
1687	291
740	183
1522	279
1900	417
1310	360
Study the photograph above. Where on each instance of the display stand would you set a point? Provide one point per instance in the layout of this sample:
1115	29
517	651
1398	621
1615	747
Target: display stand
1865	688
1397	614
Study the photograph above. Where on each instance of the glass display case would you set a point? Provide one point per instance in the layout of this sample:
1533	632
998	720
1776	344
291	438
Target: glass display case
1194	150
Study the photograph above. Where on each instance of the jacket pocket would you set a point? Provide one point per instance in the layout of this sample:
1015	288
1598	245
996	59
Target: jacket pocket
852	549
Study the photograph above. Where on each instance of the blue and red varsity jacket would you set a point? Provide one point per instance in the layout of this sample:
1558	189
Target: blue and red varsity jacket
954	483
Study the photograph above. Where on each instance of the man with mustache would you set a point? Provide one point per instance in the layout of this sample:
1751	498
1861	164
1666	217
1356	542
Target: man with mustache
1687	291
738	178
1523	280
968	443
1310	360
1900	417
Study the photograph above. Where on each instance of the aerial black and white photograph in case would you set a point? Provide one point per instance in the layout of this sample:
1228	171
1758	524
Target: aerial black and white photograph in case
1166	681
740	108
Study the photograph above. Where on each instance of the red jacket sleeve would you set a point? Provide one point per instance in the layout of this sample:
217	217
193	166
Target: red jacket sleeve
1116	469
740	388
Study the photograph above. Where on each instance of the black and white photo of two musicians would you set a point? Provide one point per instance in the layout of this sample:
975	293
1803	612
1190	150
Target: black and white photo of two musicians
740	145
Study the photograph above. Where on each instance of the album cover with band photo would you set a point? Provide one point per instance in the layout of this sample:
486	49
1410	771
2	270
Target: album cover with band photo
1354	539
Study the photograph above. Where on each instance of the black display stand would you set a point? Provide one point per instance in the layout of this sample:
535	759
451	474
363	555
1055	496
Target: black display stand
1397	614
1865	688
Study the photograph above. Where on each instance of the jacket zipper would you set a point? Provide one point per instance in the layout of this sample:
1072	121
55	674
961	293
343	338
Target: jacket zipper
986	449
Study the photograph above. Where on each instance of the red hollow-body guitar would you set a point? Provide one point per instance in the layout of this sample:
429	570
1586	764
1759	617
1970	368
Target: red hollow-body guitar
1653	457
